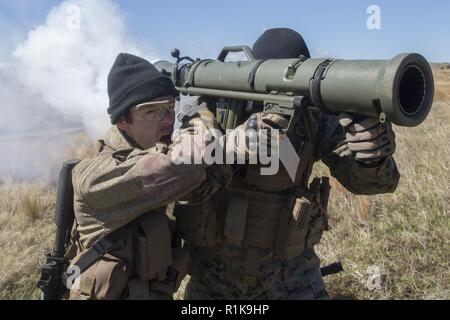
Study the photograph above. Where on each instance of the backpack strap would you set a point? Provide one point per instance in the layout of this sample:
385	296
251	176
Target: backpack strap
102	246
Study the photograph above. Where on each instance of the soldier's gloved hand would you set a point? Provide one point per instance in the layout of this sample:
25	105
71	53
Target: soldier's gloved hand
266	121
186	108
249	132
368	139
194	130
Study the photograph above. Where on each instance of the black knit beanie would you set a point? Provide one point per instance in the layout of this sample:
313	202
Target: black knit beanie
132	81
280	43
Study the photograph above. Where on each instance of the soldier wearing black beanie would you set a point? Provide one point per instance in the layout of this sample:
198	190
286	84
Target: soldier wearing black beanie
121	194
280	43
132	81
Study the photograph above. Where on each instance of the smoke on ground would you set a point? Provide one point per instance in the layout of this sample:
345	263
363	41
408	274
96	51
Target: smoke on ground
56	80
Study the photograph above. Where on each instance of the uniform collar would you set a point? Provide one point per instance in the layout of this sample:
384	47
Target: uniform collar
117	140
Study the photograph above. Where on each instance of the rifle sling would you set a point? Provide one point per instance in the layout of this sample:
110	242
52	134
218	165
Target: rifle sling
97	251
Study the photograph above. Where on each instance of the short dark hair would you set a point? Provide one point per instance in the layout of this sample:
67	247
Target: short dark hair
128	116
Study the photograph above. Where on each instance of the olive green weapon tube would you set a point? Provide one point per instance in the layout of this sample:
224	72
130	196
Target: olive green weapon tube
400	90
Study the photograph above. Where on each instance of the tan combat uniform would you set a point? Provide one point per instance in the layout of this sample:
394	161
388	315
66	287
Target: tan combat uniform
262	229
128	189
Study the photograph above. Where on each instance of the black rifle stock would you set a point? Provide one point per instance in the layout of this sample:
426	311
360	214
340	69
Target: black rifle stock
51	281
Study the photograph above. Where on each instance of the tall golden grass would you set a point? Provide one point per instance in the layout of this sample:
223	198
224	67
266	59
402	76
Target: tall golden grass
405	234
442	77
26	223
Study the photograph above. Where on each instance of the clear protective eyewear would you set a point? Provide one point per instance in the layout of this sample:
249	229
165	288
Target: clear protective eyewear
155	111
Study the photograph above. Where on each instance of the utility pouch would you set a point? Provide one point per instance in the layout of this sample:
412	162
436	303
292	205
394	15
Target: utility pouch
180	266
300	214
298	227
197	223
309	218
105	280
319	215
236	220
138	289
153	247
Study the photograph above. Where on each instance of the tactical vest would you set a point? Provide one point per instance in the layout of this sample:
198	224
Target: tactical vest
264	212
140	261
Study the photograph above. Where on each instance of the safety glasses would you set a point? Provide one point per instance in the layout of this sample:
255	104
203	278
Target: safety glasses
155	111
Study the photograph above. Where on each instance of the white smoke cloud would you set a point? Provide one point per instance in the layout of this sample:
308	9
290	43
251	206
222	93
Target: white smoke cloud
57	77
67	59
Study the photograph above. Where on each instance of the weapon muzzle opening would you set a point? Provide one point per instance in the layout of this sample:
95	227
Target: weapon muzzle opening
412	90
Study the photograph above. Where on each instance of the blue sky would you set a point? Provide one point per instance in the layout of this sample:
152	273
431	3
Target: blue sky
201	28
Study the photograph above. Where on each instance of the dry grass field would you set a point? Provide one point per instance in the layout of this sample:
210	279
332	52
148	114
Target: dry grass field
405	234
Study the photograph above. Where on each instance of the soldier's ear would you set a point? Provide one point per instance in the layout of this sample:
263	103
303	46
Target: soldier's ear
125	120
123	123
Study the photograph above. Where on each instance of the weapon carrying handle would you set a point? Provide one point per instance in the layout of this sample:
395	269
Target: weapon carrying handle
245	49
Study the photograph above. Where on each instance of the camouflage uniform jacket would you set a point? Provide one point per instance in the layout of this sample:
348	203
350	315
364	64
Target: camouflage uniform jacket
122	182
218	271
